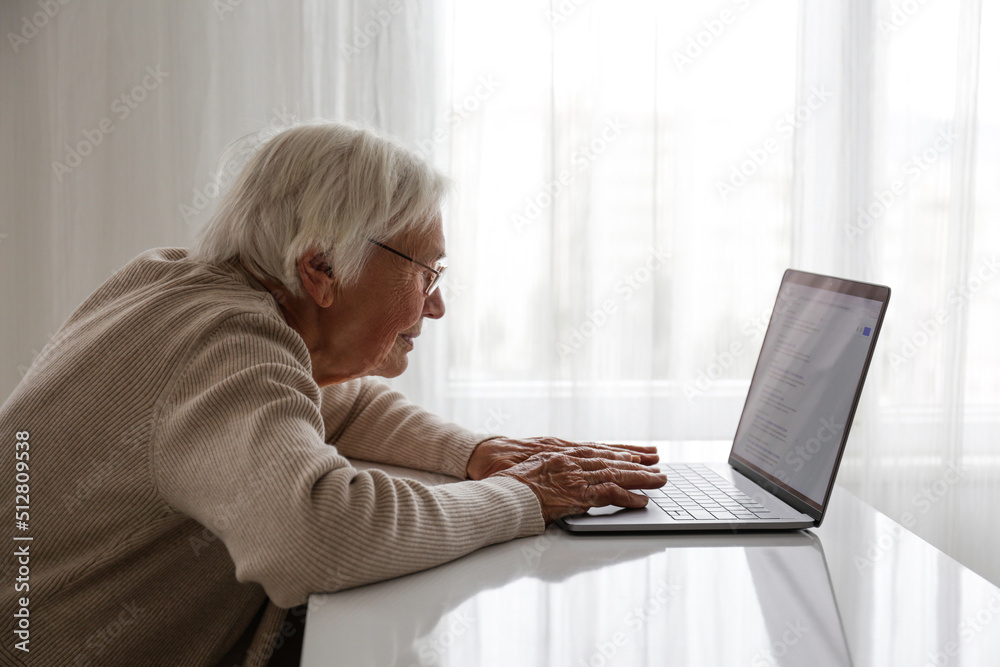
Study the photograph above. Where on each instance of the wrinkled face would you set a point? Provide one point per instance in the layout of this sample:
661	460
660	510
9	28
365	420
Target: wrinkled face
380	316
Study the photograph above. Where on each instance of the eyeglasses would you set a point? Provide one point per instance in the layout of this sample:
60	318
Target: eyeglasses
437	272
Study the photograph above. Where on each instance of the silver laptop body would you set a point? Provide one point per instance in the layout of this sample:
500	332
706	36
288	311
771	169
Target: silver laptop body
794	427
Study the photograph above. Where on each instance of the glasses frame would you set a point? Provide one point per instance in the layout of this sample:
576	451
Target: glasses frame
438	272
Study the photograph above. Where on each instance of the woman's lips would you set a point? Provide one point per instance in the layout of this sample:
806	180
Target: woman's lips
408	338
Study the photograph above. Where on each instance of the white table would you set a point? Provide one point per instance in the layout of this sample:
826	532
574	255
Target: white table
859	590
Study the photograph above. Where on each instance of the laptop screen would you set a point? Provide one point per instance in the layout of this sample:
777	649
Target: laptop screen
807	382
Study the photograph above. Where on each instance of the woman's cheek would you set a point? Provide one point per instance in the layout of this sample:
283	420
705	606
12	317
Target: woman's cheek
409	309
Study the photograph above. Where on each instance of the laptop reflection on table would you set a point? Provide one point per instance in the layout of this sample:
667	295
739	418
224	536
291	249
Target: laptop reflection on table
768	595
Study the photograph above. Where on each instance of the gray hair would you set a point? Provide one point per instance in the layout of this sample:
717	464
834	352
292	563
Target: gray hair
324	185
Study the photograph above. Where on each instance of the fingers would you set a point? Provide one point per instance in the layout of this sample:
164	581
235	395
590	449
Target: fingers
596	452
584	452
647	455
644	454
626	479
647	449
612	494
606	464
610	484
626	474
638	449
634	453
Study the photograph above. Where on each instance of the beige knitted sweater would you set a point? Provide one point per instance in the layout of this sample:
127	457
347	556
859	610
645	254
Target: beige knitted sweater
184	468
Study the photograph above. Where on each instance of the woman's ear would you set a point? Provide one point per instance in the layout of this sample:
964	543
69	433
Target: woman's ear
317	277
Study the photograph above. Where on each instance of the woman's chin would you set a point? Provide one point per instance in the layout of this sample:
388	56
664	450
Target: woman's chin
396	362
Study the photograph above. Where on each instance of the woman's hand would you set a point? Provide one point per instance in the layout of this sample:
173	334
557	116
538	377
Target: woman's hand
492	456
566	484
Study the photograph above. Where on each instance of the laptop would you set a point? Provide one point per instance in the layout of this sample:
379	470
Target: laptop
794	427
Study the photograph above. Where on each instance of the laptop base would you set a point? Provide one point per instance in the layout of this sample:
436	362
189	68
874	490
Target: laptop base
613	519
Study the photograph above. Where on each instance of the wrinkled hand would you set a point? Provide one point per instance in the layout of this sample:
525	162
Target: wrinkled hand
566	484
492	456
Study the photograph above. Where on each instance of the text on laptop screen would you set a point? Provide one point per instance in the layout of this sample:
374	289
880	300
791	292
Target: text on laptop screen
804	386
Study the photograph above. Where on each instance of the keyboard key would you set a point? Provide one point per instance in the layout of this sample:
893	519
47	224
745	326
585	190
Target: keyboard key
702	515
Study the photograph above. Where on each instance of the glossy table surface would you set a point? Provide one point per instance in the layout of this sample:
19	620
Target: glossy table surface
859	590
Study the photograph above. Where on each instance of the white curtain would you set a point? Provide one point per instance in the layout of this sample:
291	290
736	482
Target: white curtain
637	175
632	177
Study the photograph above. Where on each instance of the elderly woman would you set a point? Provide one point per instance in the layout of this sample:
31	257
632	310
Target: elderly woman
186	429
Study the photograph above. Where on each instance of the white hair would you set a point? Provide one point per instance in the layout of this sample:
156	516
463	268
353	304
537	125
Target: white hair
325	185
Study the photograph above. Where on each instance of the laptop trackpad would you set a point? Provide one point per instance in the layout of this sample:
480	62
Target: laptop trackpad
607	510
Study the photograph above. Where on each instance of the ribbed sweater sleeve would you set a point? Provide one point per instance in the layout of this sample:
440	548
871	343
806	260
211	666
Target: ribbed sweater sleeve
368	420
239	446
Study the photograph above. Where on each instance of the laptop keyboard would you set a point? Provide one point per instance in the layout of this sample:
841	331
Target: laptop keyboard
697	492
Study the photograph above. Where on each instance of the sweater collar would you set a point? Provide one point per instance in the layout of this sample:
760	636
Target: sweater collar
235	267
